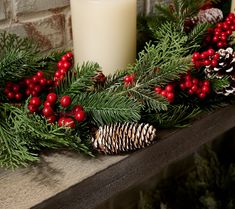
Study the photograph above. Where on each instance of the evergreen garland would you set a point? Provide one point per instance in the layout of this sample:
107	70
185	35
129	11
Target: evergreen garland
164	59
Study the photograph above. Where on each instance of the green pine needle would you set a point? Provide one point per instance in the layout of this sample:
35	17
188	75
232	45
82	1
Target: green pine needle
105	108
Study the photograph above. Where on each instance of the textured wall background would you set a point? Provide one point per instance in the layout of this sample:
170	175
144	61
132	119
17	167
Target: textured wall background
46	21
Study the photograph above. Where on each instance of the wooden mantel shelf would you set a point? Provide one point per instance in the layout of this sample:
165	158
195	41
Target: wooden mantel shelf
70	181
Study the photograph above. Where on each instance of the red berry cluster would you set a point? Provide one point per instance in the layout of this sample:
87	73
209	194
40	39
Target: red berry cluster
29	86
49	110
63	66
195	86
167	92
206	58
129	80
219	35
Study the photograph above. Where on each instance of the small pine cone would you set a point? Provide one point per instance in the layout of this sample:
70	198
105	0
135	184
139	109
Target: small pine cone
118	138
212	16
225	67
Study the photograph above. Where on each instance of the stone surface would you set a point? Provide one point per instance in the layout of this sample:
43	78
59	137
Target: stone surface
2	11
22	6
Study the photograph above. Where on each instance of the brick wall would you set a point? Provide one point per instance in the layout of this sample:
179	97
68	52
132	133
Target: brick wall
46	21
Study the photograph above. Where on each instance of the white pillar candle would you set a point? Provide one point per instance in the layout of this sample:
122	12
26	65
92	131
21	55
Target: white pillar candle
104	31
233	6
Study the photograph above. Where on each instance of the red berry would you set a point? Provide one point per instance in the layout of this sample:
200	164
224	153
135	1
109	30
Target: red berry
80	116
77	108
64	58
182	86
194	88
18	96
40	74
27	81
128	79
229	32
169	88
205	89
66	122
206	83
220	44
51	98
204	55
188	77
6	91
47	111
188	84
211	52
170	95
34	93
27	92
196	55
69	55
16	88
10	95
35	101
214	63
46	104
35	79
60	64
202	95
31	86
43	81
217	56
51	119
190	91
37	88
66	65
61	121
32	108
57	74
65	101
164	93
195	81
158	89
50	82
219	25
207	62
215	39
223	38
62	71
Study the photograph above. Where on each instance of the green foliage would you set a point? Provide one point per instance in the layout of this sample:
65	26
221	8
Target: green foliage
17	57
79	80
209	184
220	83
177	116
22	136
105	108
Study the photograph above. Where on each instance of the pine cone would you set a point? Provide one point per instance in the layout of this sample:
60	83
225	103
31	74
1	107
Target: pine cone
225	67
212	15
118	138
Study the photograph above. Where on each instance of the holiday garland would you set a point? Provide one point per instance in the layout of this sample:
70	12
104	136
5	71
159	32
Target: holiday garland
77	107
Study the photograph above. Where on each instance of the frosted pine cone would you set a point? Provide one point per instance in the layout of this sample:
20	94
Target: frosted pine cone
212	15
225	67
118	138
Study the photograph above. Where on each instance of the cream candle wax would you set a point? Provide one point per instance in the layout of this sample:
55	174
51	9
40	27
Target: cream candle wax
104	31
233	6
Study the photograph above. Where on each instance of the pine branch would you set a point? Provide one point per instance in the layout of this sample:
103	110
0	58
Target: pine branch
220	83
16	53
78	80
105	108
176	116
